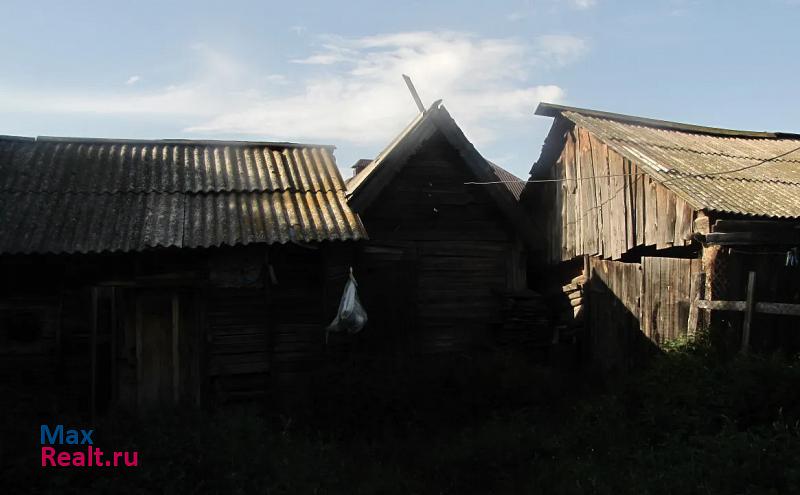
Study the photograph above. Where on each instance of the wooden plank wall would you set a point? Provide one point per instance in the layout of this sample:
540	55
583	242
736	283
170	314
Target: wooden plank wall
614	288
632	303
447	246
238	353
605	206
667	296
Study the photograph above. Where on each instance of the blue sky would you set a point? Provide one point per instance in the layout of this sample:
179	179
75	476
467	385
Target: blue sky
330	72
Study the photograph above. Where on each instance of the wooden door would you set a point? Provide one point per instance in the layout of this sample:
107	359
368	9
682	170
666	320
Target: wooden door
154	348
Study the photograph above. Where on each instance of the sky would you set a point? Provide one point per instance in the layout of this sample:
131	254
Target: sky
331	72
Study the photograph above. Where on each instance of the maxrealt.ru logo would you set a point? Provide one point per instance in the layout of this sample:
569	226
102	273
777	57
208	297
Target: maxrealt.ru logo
56	441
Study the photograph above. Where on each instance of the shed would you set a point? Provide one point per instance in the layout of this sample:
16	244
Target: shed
142	273
660	214
447	246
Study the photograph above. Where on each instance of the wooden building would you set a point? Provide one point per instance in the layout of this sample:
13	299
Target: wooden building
144	273
655	215
444	269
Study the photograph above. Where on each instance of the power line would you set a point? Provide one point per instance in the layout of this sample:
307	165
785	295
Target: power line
732	171
686	176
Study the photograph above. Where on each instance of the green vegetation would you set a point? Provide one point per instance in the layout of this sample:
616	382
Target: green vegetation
693	421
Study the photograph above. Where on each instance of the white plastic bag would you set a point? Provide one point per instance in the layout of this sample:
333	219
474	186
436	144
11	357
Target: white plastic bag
351	316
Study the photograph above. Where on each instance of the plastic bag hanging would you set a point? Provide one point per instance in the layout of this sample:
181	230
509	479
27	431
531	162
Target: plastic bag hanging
351	316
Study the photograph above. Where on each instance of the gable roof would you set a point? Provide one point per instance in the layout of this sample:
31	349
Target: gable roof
723	170
365	187
80	195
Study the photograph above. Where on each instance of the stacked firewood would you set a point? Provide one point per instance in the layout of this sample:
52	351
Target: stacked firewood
524	317
569	309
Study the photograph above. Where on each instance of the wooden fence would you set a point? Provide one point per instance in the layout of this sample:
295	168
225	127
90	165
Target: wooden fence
749	306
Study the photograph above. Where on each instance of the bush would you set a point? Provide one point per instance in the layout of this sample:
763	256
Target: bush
693	421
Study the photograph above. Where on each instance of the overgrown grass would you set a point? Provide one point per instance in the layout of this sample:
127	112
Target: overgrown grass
694	421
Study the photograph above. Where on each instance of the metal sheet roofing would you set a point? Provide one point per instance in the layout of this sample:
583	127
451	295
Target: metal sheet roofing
702	165
62	195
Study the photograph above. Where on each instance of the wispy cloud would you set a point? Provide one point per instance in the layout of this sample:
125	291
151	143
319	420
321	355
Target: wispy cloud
582	4
346	90
133	80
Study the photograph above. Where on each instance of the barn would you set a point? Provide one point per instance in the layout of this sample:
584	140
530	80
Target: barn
444	270
148	273
651	228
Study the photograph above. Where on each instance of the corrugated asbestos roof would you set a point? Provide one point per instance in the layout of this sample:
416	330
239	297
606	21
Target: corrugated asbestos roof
514	184
694	162
63	195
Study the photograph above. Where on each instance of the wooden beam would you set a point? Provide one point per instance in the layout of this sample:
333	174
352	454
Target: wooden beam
176	370
414	93
114	344
139	369
748	311
754	225
766	308
787	236
93	355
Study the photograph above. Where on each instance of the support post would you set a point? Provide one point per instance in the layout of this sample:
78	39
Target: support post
748	311
696	291
114	344
93	356
176	370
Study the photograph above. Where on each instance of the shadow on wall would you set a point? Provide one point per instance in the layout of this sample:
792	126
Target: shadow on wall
615	342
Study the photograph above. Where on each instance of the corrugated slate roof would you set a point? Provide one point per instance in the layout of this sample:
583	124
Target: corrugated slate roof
514	184
64	195
701	164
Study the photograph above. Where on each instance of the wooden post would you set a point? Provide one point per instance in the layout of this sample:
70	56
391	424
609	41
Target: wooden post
139	369
114	344
748	311
696	292
176	370
93	356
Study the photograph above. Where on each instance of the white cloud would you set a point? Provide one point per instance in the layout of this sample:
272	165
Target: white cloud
349	90
133	80
361	98
582	4
560	49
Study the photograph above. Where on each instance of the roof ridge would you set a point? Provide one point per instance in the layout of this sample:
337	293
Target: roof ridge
552	110
167	141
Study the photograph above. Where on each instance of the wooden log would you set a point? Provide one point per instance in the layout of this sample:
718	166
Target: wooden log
575	302
569	287
575	295
579	280
748	311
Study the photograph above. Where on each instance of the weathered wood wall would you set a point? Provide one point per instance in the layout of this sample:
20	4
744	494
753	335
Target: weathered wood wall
635	305
145	330
667	296
605	206
439	255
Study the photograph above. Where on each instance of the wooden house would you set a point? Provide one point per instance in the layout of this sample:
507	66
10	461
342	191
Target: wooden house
446	256
655	216
144	273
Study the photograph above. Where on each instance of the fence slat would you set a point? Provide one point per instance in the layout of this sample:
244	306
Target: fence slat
748	311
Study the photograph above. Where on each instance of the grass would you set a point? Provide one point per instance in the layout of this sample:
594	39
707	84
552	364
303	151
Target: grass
693	421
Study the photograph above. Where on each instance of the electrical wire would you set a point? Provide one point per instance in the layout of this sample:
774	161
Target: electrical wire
686	176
